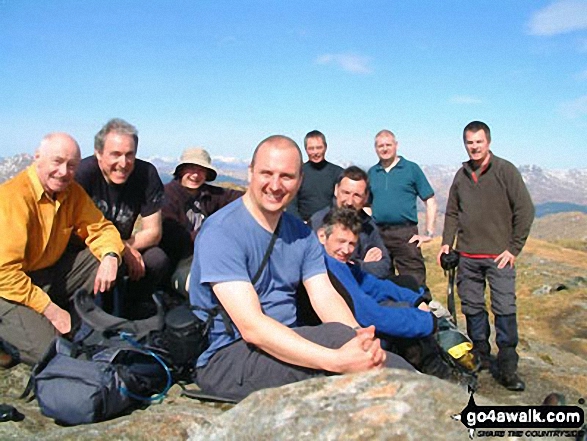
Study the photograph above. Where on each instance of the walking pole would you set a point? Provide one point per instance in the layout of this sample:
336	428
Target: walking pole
449	263
450	295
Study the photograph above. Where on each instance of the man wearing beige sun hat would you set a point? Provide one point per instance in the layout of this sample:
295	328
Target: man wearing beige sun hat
189	200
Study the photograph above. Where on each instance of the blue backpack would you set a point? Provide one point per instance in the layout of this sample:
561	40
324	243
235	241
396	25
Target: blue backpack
116	365
86	390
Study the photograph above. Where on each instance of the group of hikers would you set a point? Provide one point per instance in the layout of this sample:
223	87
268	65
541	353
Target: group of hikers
318	269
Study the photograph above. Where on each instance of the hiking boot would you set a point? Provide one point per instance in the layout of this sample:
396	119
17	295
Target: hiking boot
511	382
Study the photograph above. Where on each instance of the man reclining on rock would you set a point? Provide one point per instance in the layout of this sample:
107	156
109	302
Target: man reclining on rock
40	209
402	318
266	349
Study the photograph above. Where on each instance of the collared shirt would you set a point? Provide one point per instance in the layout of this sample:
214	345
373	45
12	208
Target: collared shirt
394	193
36	230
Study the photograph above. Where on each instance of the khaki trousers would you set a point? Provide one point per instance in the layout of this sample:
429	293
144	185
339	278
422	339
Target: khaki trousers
27	330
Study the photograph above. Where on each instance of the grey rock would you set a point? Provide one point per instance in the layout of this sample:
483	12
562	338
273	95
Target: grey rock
543	290
386	404
383	405
577	281
573	282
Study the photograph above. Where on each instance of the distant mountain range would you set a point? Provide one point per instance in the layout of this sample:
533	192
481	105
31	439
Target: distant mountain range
553	191
12	165
230	170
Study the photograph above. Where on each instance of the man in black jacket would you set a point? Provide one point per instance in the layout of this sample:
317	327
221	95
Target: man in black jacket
319	177
490	212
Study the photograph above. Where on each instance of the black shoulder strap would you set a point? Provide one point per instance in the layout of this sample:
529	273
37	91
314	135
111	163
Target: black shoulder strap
267	254
219	309
341	289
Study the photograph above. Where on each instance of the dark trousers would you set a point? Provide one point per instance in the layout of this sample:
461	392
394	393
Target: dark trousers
472	278
239	369
27	330
406	258
137	301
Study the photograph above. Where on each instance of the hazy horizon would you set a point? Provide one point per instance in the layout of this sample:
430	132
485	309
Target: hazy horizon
242	162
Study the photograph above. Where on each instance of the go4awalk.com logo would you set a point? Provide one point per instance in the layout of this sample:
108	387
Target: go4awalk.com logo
518	421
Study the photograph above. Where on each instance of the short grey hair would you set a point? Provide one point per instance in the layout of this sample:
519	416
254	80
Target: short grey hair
384	132
278	141
118	126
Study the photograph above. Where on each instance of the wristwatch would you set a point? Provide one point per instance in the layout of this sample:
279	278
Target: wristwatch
112	254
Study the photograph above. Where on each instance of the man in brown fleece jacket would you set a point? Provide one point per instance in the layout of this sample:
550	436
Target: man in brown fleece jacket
490	212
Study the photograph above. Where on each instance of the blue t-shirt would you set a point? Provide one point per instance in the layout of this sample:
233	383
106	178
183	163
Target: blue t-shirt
394	193
230	247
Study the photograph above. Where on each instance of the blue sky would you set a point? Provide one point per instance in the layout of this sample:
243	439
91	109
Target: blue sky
226	74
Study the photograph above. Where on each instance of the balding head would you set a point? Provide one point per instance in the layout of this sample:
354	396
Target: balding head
276	142
56	161
275	175
57	141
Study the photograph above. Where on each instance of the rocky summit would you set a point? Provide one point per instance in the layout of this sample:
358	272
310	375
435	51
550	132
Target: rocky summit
386	405
380	405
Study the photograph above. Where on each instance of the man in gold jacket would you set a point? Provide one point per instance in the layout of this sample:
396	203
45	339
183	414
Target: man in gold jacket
40	208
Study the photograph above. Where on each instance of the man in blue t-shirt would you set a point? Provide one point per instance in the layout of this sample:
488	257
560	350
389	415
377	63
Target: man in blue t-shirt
395	185
265	349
